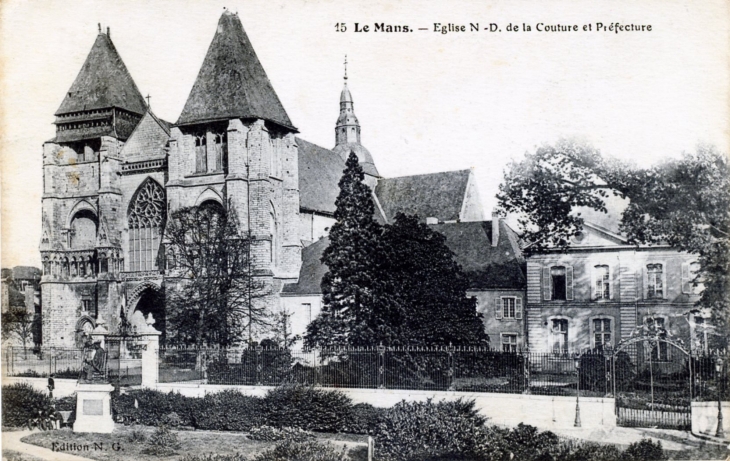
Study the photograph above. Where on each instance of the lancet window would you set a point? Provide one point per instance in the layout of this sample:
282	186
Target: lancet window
146	221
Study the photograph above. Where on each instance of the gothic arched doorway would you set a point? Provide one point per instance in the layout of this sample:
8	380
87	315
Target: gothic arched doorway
150	302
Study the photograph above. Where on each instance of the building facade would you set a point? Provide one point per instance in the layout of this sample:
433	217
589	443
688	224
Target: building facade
602	289
114	171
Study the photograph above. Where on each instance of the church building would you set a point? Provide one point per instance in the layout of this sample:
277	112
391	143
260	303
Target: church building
114	171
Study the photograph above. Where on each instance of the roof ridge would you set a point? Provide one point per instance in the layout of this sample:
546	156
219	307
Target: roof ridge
424	174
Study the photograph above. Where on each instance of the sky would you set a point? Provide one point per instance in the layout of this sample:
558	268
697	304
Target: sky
426	101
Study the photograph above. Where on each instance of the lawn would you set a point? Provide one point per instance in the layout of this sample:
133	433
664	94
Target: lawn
118	446
12	455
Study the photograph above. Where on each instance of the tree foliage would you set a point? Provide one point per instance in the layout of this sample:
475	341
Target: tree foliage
683	202
428	287
214	299
349	288
20	324
395	284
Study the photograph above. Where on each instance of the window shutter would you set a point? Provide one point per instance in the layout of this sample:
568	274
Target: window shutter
686	288
645	278
594	280
546	287
569	283
665	293
518	308
612	278
498	309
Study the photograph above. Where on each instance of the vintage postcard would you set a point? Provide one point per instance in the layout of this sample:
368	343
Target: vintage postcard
349	230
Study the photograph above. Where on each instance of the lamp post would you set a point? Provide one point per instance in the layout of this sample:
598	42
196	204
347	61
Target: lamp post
720	432
576	360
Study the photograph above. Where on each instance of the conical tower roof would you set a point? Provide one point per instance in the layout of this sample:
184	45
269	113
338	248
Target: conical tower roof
103	82
232	83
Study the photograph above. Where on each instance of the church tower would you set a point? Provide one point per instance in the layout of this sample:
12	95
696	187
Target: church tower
234	146
347	136
80	246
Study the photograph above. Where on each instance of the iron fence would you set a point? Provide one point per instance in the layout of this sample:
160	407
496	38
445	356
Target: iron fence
418	368
632	376
42	362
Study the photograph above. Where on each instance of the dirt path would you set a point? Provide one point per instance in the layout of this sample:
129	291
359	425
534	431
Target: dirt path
11	441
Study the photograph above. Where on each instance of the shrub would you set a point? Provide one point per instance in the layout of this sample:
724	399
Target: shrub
302	451
273	434
151	407
427	430
365	418
307	408
172	420
227	411
137	435
593	452
163	442
644	450
20	402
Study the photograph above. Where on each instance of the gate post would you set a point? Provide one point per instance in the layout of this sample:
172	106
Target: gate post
150	354
381	366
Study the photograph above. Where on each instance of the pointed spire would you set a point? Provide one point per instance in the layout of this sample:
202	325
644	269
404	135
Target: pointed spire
347	132
103	82
232	82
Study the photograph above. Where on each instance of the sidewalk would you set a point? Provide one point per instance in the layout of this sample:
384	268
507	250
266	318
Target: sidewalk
11	441
672	440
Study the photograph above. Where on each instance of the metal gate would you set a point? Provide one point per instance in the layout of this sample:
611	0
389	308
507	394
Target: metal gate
652	383
124	362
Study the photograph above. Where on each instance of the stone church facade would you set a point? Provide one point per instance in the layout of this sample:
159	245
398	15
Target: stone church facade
114	171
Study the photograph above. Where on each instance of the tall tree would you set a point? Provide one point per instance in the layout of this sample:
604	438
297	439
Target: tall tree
429	287
684	202
349	287
20	324
216	299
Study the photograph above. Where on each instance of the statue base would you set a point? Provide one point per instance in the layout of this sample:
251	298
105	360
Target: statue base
94	408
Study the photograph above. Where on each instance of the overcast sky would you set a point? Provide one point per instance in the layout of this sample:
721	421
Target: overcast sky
426	101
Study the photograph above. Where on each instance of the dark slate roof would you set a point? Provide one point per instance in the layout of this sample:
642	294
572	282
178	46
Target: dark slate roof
312	270
103	82
26	273
487	267
232	82
148	139
320	171
437	195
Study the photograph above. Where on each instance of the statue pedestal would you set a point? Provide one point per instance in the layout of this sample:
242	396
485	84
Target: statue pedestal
94	408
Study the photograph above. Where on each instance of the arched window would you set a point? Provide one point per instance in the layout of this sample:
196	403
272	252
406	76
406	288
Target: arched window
201	160
103	264
83	230
46	266
74	267
146	219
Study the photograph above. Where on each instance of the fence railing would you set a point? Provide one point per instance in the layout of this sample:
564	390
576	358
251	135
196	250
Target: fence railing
41	363
594	373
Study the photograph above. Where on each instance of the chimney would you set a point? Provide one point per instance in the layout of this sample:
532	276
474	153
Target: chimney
495	227
107	32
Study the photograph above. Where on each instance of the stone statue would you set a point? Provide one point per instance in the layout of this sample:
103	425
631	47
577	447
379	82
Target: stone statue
94	370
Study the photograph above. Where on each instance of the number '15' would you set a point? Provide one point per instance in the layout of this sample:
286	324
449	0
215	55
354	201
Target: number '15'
340	27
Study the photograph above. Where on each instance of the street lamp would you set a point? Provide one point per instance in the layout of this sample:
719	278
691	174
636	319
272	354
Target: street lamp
576	361
720	432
